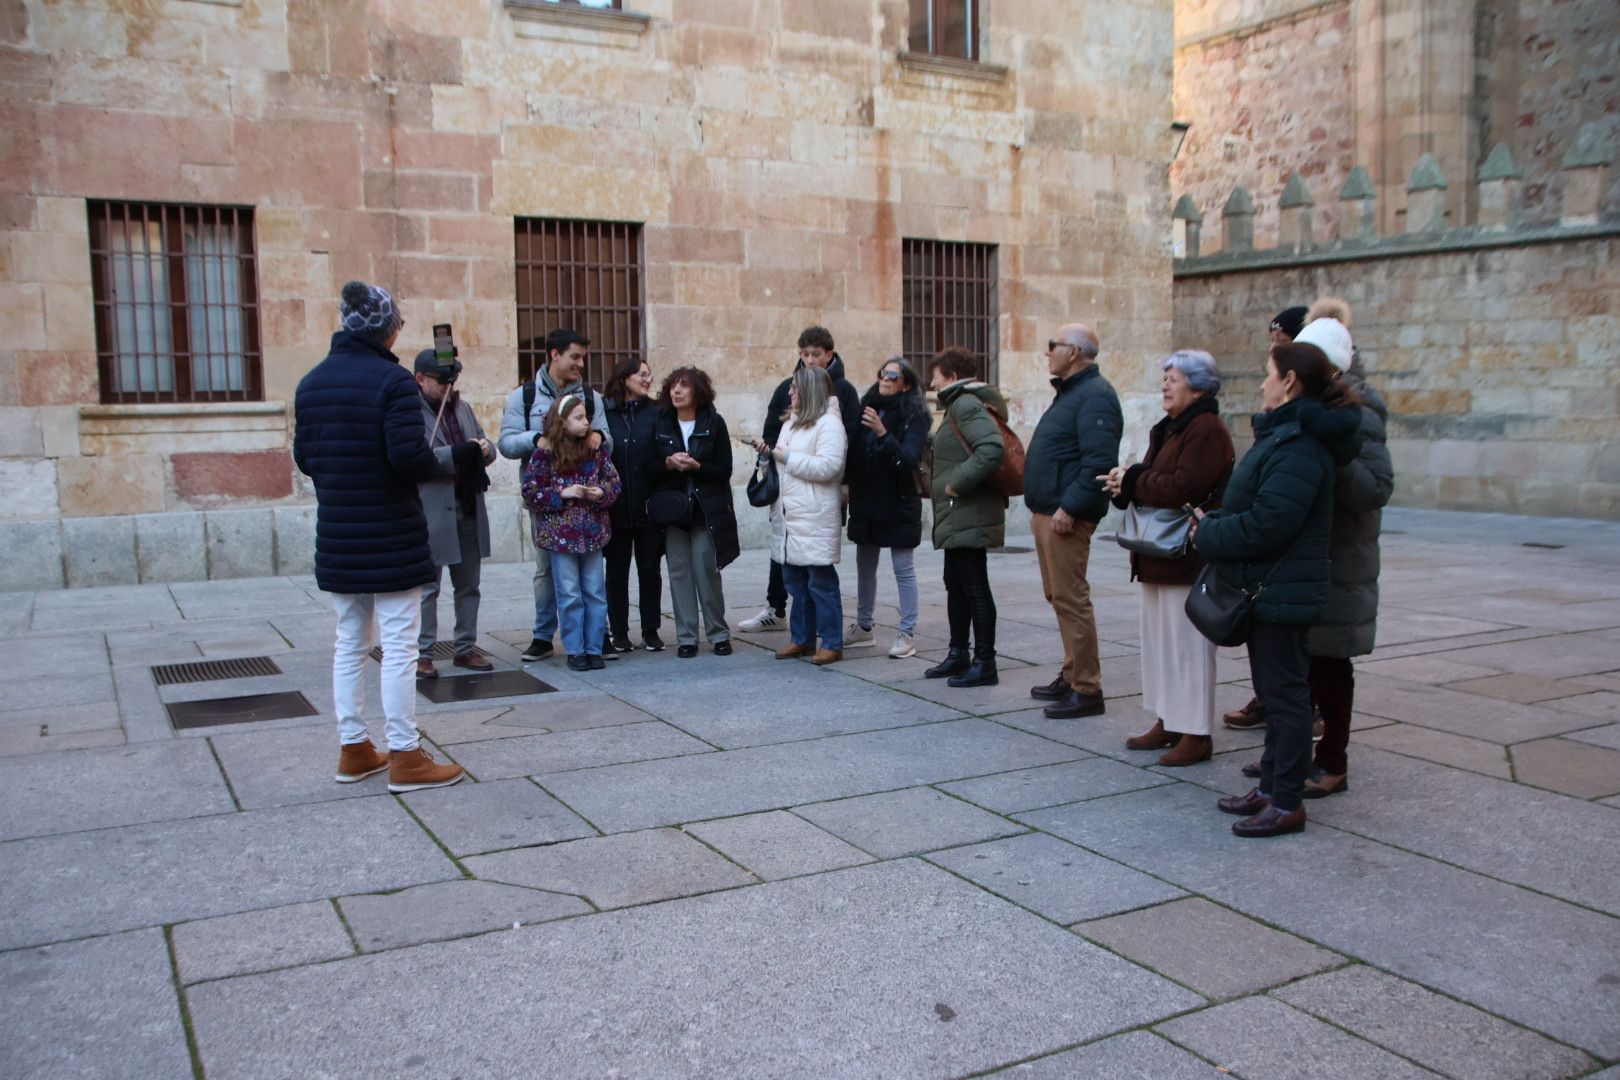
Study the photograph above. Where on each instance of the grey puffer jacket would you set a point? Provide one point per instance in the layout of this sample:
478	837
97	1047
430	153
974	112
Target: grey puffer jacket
1361	490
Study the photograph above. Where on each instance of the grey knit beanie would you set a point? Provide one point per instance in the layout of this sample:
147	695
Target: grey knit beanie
368	308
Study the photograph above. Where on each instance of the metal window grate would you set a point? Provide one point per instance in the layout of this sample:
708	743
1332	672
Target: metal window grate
945	28
584	276
176	302
949	291
195	671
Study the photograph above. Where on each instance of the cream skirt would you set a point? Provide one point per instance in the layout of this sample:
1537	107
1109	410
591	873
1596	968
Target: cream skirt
1178	663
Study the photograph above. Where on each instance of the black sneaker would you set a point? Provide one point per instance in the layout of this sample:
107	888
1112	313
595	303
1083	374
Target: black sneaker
596	662
686	652
1056	690
621	643
537	650
722	648
653	642
609	652
579	663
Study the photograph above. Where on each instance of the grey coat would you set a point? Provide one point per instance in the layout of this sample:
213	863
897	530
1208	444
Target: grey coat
439	492
1361	490
519	430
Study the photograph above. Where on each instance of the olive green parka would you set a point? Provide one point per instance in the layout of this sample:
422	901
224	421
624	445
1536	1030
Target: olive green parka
976	516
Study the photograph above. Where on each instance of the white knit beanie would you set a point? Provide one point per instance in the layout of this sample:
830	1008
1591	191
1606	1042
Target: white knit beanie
1332	338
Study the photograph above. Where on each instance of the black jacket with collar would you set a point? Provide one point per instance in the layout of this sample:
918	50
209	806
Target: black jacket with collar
1076	441
710	444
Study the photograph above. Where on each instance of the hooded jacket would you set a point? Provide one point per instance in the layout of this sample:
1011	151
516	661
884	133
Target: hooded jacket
884	507
520	429
807	516
976	516
849	403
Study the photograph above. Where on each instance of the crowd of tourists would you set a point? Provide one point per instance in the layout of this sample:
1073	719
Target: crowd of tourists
1278	550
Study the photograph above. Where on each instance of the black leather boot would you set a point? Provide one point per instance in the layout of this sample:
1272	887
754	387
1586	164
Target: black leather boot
956	661
982	672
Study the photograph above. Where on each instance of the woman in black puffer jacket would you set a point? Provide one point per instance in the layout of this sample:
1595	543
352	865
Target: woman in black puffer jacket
885	509
632	414
1271	536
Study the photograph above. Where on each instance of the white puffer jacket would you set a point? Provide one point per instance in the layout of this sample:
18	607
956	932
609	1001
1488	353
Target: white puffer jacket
807	518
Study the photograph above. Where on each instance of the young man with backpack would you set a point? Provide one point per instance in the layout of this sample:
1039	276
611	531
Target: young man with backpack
525	415
1075	443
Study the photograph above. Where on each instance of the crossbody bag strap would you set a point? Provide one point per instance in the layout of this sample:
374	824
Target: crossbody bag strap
967	448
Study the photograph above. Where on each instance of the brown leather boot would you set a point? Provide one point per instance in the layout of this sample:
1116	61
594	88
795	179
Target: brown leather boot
824	657
356	761
1189	750
793	652
413	770
1155	738
1252	715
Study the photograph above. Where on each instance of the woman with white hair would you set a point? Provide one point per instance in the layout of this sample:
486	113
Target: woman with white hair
1188	459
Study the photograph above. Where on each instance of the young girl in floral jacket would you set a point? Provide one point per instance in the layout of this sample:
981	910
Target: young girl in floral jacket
568	487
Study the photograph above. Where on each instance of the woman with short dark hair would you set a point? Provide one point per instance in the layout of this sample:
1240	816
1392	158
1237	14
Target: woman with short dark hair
691	501
632	415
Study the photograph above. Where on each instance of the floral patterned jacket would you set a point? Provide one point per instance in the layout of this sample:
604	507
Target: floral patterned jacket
572	525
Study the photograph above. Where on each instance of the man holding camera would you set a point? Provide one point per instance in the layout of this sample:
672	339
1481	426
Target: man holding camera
453	500
525	415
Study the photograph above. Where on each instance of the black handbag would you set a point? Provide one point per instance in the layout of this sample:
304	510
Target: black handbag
671	508
764	486
1221	612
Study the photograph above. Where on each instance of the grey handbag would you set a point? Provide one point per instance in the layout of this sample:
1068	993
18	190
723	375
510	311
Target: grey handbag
1158	532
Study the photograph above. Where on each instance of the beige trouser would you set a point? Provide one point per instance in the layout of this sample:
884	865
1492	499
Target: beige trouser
1063	559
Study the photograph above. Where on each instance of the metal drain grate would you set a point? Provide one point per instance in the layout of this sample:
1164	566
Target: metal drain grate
494	684
247	667
442	650
239	710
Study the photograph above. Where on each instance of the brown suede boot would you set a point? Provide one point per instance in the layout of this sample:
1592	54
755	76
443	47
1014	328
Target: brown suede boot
1155	738
1189	750
824	657
356	761
793	652
413	770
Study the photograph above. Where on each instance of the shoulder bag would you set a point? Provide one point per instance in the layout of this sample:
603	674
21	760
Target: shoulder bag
1224	613
1162	532
764	486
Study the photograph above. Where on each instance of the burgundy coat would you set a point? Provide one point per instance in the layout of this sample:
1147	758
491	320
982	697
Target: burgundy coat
1188	459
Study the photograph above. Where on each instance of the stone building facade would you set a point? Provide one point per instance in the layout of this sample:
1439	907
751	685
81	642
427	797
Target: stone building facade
768	164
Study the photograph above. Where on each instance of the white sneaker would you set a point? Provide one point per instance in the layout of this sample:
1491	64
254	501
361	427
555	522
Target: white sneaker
765	620
856	638
902	647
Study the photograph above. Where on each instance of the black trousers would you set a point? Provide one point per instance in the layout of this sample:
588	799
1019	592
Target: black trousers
968	601
1333	688
776	591
646	545
1280	668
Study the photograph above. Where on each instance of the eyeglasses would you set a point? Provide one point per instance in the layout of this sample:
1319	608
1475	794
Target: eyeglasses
890	376
1051	345
444	380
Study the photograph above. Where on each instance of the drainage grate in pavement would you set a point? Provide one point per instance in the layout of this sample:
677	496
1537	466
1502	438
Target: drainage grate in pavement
495	684
442	650
239	710
247	667
1011	549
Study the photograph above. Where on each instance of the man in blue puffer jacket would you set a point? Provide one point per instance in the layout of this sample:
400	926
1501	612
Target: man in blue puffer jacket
360	438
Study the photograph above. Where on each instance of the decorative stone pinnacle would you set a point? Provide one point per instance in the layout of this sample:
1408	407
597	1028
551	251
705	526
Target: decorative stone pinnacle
1591	147
1295	193
1186	210
1500	165
1426	175
1239	203
1358	185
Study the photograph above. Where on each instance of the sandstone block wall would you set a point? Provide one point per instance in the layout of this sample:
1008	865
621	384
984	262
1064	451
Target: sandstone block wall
775	151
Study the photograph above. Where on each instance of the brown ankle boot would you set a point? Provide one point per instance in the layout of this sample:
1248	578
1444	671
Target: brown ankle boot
1155	738
824	657
413	770
356	761
1189	750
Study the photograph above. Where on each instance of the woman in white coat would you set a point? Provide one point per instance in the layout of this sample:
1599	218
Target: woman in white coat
807	517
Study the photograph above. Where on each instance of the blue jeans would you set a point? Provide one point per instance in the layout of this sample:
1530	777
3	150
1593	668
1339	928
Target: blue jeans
580	584
818	609
545	599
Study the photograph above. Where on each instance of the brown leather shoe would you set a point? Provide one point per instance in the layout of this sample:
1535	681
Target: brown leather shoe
1189	750
473	660
356	761
824	657
1251	802
413	770
1154	738
425	668
1320	785
1271	822
793	652
1252	715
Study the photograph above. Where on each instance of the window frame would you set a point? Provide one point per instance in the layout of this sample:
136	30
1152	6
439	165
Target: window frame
573	308
934	8
172	219
951	266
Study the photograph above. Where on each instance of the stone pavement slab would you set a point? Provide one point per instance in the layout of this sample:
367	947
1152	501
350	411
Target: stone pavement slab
1263	1039
292	765
1495	945
1574	768
777	845
1052	785
1135	1055
1608	735
896	823
1603	705
1462	714
141	875
535	755
1527	689
1211	949
617	871
450	909
1053	878
1440	747
1554	656
260	941
94	789
702	786
1447	1036
102	1007
889	970
469	819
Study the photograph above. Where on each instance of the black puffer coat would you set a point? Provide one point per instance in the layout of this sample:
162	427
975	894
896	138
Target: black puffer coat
631	424
711	484
361	438
884	507
1360	492
1276	514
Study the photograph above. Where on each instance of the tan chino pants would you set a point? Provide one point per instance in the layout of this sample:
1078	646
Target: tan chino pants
1063	559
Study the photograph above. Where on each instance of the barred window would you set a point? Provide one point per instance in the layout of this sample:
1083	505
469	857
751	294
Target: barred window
584	276
176	302
949	299
945	28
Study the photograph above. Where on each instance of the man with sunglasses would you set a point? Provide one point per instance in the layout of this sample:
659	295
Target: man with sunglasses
1076	441
453	500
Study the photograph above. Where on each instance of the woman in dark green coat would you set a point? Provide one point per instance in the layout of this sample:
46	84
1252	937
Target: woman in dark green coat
970	516
1271	537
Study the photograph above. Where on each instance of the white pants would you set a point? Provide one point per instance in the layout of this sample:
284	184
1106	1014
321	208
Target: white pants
393	621
1178	663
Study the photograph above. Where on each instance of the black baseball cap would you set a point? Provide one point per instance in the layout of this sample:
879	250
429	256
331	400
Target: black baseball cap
428	363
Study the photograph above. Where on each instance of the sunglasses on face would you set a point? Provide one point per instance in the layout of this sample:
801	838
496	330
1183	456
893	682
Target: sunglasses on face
890	376
1052	346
